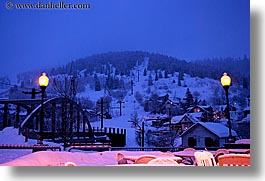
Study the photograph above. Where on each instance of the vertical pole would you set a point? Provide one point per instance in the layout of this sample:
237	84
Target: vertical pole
53	120
101	112
120	107
17	116
42	113
84	125
5	116
142	142
228	114
27	135
78	121
124	137
33	93
71	119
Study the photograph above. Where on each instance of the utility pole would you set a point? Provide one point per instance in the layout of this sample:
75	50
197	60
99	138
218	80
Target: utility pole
33	93
101	114
120	102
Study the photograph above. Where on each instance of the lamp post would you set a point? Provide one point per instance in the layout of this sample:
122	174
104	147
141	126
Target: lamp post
226	82
43	82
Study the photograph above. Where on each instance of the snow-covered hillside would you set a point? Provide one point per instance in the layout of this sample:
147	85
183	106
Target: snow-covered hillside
203	89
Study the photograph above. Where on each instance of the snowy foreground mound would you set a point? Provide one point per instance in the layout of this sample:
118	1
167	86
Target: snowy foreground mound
56	158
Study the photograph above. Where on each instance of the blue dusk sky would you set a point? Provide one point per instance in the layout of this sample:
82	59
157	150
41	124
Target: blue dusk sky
185	29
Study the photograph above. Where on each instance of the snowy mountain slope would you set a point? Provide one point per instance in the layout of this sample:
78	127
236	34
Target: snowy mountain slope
204	89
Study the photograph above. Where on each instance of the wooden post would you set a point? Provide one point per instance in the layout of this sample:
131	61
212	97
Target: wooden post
53	120
78	121
142	142
124	137
63	125
27	135
120	102
17	116
5	116
71	119
101	112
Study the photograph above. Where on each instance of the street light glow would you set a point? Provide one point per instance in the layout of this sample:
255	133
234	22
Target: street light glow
225	80
43	80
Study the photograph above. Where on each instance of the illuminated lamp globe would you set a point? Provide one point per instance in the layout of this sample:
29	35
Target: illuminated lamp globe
225	80
43	80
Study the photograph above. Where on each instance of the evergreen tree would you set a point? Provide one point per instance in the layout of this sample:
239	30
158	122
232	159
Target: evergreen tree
189	98
154	105
150	80
145	72
166	74
156	77
160	74
181	76
179	82
97	83
203	103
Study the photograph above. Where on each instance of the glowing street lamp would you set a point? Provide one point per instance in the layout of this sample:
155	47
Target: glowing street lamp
226	82
43	82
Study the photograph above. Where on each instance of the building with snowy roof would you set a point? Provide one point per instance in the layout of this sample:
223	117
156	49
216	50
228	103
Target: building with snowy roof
207	134
205	112
183	122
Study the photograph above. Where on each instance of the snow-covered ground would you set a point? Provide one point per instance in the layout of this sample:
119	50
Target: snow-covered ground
25	157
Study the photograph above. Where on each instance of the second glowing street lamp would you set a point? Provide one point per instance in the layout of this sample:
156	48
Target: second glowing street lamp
43	82
226	82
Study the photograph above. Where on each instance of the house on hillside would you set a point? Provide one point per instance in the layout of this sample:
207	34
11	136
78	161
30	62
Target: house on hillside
198	108
220	112
205	111
183	122
206	135
168	106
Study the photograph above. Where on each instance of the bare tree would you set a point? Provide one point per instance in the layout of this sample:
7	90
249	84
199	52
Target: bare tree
66	83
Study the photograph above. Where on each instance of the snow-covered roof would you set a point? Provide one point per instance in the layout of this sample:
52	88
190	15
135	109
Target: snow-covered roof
201	107
176	119
218	129
194	116
191	116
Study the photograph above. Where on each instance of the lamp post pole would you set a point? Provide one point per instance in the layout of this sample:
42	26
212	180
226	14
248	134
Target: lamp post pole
228	113
142	141
43	82
42	112
226	82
